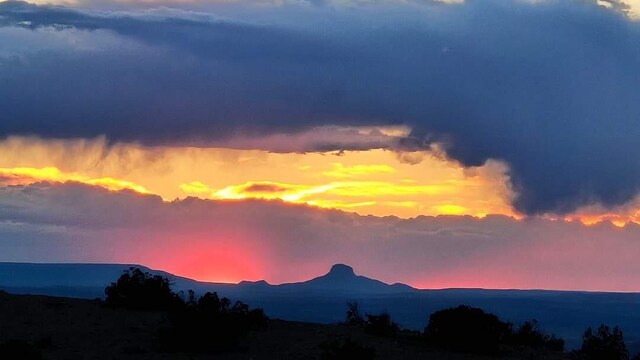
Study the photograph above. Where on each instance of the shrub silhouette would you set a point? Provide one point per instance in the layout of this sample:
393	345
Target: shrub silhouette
136	289
605	344
466	329
380	325
353	316
211	324
346	350
18	350
528	335
205	324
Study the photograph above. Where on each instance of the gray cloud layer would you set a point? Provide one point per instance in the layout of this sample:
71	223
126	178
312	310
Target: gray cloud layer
550	88
73	222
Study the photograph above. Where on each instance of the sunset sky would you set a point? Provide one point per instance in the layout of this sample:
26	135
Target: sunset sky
437	143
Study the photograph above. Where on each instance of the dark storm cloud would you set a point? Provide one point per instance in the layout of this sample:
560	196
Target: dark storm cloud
550	88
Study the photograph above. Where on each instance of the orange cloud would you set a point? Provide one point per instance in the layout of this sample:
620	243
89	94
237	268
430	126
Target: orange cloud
341	171
26	175
298	193
374	182
195	188
450	209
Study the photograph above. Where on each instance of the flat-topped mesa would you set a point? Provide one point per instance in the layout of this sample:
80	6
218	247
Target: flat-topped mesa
341	271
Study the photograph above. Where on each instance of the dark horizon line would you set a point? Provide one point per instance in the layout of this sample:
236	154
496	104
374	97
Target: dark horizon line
170	274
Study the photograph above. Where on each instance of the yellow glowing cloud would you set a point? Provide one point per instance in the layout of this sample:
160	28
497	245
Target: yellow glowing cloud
375	182
298	193
450	209
328	204
195	188
362	196
341	171
26	175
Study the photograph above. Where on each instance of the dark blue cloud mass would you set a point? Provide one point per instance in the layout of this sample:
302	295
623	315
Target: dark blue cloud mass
551	88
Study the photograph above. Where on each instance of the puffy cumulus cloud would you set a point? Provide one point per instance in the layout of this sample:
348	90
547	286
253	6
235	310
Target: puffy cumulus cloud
235	240
548	87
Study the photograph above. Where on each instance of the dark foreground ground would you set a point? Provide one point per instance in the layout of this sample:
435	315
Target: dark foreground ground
63	328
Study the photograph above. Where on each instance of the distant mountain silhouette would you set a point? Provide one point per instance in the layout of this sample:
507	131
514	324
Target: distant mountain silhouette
343	279
89	280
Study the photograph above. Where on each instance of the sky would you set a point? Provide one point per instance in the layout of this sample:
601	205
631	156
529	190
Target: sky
436	143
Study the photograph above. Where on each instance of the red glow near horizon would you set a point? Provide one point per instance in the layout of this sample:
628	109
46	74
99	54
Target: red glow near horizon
227	260
216	265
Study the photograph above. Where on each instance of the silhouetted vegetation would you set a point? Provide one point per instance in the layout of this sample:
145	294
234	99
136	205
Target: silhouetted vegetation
528	335
466	329
18	350
139	290
205	324
346	350
605	344
380	325
211	324
354	318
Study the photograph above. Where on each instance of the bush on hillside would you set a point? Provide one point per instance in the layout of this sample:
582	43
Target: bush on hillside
353	316
211	324
466	329
605	344
139	290
528	335
205	324
380	325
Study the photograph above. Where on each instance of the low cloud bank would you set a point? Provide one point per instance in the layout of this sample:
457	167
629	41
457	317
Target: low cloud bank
236	240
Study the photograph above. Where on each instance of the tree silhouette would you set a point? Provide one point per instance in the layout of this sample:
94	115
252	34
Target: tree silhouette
529	335
380	325
205	324
353	317
136	289
605	344
211	324
466	329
